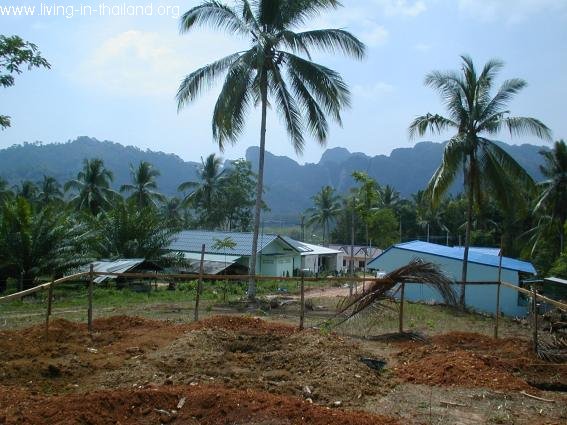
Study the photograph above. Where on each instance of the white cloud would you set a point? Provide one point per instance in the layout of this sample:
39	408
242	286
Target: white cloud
402	7
374	34
149	63
423	47
373	91
510	11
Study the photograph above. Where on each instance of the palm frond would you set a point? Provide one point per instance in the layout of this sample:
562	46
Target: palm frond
203	78
432	123
215	15
520	126
444	176
330	40
417	271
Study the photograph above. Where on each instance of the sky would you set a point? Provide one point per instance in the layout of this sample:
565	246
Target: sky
114	77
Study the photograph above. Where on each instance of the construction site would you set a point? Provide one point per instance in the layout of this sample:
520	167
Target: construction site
284	362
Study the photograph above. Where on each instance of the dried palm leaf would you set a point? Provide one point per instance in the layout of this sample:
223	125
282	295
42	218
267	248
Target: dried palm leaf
417	271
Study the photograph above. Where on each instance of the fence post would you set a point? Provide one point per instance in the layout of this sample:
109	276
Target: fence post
496	323
534	312
90	309
49	298
302	301
401	322
199	283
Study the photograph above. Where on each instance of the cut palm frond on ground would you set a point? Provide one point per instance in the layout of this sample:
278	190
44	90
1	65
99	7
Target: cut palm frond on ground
417	271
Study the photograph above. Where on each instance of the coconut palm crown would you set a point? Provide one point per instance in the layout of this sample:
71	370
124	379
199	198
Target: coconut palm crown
143	189
475	114
276	70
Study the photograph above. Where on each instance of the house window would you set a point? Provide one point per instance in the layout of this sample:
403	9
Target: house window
361	264
344	263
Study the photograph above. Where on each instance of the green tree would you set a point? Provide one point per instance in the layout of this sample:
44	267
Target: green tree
28	190
44	242
173	211
49	191
92	187
5	191
389	197
553	196
126	231
16	54
272	71
368	198
326	208
474	113
143	188
205	193
237	196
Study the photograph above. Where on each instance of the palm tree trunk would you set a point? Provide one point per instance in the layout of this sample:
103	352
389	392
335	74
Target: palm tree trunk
259	188
467	239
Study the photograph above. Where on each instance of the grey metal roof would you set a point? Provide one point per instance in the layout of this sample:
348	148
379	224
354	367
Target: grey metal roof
556	280
113	266
192	240
476	255
309	249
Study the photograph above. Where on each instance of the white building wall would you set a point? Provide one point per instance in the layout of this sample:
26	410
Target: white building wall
477	297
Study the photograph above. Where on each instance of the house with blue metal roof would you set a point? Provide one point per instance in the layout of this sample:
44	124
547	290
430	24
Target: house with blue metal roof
483	266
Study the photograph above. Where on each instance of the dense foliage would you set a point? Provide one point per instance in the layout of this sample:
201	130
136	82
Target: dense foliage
45	231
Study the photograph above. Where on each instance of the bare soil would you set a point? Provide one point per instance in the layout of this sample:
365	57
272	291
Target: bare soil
244	370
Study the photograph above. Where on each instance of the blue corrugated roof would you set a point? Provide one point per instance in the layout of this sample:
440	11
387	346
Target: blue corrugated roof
192	240
476	255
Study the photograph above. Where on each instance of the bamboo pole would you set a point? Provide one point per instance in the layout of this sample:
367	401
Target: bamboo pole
49	300
534	312
496	323
401	318
302	307
41	287
529	293
90	308
199	283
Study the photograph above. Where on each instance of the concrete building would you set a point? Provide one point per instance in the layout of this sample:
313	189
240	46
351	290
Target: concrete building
276	256
482	267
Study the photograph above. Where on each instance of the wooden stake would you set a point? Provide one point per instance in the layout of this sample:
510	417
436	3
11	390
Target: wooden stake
49	298
534	312
90	308
402	293
302	307
199	283
496	323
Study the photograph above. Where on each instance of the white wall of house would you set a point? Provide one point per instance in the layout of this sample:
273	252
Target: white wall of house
477	297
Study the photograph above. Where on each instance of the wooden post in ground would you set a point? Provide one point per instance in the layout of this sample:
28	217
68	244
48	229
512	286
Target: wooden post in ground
534	312
401	319
496	323
199	283
302	301
49	300
90	309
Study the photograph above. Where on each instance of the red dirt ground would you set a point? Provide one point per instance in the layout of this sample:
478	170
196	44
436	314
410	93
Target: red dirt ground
473	360
204	405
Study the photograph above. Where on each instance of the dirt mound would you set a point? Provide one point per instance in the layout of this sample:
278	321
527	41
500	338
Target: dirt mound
205	405
472	360
70	352
252	353
253	325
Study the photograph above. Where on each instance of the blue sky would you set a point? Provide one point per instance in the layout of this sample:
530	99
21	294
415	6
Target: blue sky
115	77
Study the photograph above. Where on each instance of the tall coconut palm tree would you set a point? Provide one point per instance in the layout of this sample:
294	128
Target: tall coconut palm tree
389	197
204	192
276	70
553	196
27	190
474	114
326	208
49	191
93	187
143	186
